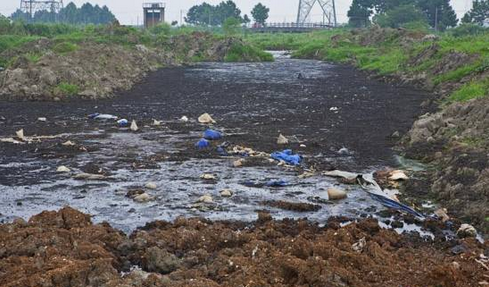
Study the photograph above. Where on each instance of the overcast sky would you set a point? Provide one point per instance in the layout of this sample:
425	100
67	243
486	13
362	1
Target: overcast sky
129	11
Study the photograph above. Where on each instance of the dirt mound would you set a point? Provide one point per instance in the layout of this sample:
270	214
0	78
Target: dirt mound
65	249
91	70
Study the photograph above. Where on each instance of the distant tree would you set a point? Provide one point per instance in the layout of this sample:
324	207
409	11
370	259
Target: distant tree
478	14
231	26
439	12
400	16
86	14
260	13
206	14
360	12
226	10
246	20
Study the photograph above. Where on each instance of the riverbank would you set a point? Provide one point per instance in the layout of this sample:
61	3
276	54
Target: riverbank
95	63
453	138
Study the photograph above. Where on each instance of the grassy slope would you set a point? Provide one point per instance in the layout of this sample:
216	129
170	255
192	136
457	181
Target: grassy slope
390	55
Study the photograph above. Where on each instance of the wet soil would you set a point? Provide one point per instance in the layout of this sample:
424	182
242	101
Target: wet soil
65	249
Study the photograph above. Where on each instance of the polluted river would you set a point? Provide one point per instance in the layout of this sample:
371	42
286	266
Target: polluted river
333	116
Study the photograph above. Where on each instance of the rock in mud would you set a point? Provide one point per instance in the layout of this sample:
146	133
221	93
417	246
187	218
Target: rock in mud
63	169
206	119
226	193
238	163
336	194
151	185
89	176
282	140
208	176
160	261
205	199
143	198
466	230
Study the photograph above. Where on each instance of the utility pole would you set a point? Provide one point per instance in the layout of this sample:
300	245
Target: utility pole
436	19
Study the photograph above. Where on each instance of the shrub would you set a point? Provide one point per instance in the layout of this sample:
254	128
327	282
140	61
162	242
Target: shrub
67	89
64	48
468	30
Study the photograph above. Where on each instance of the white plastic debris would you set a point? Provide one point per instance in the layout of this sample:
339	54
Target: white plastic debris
151	185
208	176
336	194
63	169
105	117
42	119
134	126
282	140
398	175
156	123
20	134
226	193
334	109
442	214
466	230
184	119
360	245
68	143
206	119
205	199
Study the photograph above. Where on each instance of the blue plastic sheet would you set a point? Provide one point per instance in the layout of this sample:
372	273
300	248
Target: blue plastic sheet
287	156
270	183
212	135
202	144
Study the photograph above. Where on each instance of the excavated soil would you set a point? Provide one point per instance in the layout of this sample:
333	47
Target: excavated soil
65	249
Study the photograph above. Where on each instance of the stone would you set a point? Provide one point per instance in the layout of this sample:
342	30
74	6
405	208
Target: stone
208	176
206	119
466	230
238	163
226	193
205	199
151	185
134	126
160	261
282	140
63	169
144	197
336	194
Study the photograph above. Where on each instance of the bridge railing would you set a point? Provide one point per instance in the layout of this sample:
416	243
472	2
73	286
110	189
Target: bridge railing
293	25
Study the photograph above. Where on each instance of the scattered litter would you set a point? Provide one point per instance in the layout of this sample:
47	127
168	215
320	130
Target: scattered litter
342	174
358	247
123	123
221	151
238	163
42	119
307	174
282	140
303	146
466	230
205	199
20	134
134	126
442	214
287	156
206	119
63	169
142	198
151	185
98	116
276	183
89	176
336	194
398	175
184	119
208	176
334	109
202	144
226	193
212	135
68	143
156	123
271	183
344	151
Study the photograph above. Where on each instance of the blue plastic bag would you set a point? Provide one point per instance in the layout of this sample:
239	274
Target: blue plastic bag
123	123
202	144
212	135
287	156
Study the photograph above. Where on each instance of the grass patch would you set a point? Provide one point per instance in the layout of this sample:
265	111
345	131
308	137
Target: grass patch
469	91
65	48
246	53
67	89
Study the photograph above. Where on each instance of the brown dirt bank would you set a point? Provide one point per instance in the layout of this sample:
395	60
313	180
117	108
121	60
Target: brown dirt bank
91	70
65	249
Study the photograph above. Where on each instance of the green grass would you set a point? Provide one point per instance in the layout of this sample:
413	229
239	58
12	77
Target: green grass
65	48
33	57
245	53
67	89
469	91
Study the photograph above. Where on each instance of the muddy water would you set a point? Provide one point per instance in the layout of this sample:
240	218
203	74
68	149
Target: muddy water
252	103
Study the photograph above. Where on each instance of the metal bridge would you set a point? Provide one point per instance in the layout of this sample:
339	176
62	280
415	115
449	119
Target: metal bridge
303	23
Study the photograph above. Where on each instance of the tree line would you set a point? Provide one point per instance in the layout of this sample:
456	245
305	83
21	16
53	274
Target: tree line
71	14
216	15
437	14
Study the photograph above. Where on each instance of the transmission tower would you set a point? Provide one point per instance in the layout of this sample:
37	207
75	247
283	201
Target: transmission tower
32	6
328	7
